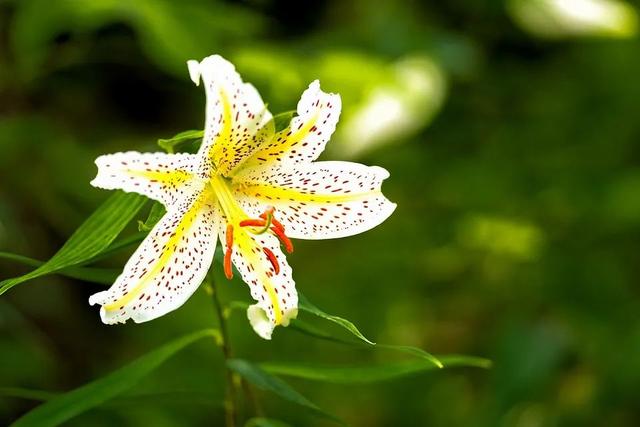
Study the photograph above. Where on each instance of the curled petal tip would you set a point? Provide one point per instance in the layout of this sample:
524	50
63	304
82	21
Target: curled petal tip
392	207
262	325
289	314
382	172
260	322
194	71
96	298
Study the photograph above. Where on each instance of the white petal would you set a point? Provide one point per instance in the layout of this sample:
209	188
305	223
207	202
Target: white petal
308	133
237	120
322	200
166	178
275	293
167	267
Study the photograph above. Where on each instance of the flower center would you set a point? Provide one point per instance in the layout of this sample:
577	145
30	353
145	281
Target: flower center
239	222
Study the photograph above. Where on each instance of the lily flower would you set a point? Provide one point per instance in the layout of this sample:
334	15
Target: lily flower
249	186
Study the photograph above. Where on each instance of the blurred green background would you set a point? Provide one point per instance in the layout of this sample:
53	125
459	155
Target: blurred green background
511	131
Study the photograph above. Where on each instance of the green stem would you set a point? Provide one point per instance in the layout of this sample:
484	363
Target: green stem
231	393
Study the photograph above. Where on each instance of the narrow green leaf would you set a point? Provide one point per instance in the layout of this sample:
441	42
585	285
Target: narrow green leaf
316	332
312	330
282	120
366	374
170	144
266	381
415	351
163	397
117	246
459	360
265	422
309	329
305	305
68	405
105	276
90	239
27	394
155	214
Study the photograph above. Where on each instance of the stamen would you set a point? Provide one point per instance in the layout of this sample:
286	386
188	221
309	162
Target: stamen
272	259
252	223
279	232
268	222
228	271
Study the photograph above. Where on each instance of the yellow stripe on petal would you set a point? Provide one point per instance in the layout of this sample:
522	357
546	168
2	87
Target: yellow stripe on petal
222	141
167	178
167	267
251	252
237	120
169	250
308	133
272	193
248	254
170	177
321	200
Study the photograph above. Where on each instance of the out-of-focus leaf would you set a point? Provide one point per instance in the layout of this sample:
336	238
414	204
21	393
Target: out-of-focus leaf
366	374
168	32
459	360
104	276
169	397
27	394
90	239
68	405
155	214
266	381
265	422
305	305
281	121
170	145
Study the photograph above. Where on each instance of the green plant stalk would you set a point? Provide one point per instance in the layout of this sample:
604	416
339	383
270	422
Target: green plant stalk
230	406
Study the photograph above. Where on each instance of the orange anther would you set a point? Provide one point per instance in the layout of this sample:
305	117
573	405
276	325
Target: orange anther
229	236
228	271
272	259
253	223
283	238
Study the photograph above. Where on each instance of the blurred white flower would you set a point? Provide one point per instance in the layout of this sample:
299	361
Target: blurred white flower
395	108
566	18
